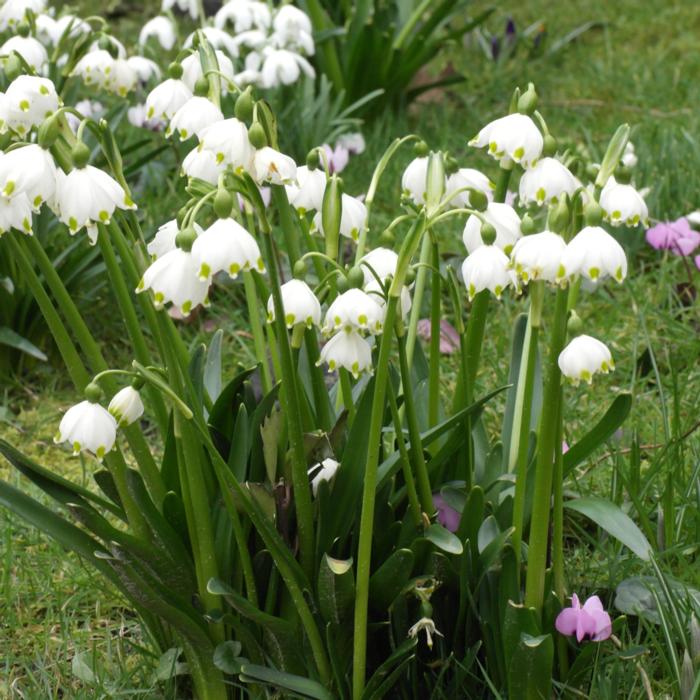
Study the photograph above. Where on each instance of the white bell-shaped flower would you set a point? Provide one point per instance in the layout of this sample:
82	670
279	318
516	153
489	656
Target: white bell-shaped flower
28	101
31	170
487	268
165	99
274	167
164	240
192	69
173	279
218	38
513	138
538	257
227	246
282	67
595	255
347	349
190	6
137	117
243	16
546	182
126	406
193	117
468	177
203	165
71	26
307	193
629	157
379	263
122	78
88	196
414	180
353	218
622	204
503	218
290	21
15	212
145	68
354	309
228	141
88	426
583	357
161	28
323	471
95	68
13	12
300	305
31	50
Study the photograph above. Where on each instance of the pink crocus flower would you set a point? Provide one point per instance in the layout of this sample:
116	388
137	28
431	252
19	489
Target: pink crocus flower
585	621
449	338
338	157
676	236
447	516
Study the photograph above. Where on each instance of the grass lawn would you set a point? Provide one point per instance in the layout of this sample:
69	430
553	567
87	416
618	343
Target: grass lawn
639	64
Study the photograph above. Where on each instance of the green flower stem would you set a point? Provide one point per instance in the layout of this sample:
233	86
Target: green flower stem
548	431
434	368
499	194
312	247
413	502
346	389
318	382
292	410
424	489
251	296
418	291
289	228
369	495
520	434
76	369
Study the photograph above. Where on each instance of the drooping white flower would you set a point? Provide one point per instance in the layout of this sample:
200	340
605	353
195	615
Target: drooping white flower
71	26
513	138
165	99
190	6
95	68
414	179
192	69
468	177
347	349
243	15
193	117
88	426
229	142
218	38
353	218
28	101
203	164
13	12
380	262
292	29
126	406
173	279
354	309
487	268
88	196
622	204
226	245
161	28
15	212
323	471
629	157
274	167
164	240
594	254
307	193
299	303
137	116
29	170
538	256
31	50
546	182
503	218
354	142
583	357
122	78
282	67
144	68
111	44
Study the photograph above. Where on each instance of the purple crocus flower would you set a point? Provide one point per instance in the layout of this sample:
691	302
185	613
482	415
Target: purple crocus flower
676	236
585	621
449	338
338	157
447	516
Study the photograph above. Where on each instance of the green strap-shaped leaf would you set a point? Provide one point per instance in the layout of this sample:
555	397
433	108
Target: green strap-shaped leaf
15	340
530	670
304	687
390	578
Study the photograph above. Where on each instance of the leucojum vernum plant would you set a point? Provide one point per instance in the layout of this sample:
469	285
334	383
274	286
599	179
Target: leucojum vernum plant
325	523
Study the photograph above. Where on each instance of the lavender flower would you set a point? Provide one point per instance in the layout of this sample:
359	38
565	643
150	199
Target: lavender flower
447	516
676	236
585	621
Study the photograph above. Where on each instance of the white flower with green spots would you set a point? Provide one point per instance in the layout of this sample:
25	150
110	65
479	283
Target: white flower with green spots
27	102
503	218
15	212
354	310
193	117
622	204
595	255
306	193
274	167
514	138
29	49
88	427
347	349
299	303
538	257
467	177
30	170
95	68
192	69
164	240
487	268
414	181
546	182
165	99
228	141
583	357
88	196
126	406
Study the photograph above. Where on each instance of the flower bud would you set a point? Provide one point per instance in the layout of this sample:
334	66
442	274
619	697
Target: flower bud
331	213
299	270
80	155
488	233
257	135
410	277
592	213
185	239
313	159
356	277
527	102
201	86
451	165
12	67
23	30
478	200
550	146
559	217
341	283
623	174
175	70
243	108
387	239
435	181
93	392
421	149
574	325
527	225
223	203
48	132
